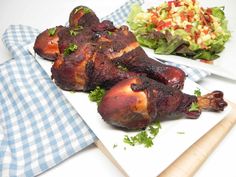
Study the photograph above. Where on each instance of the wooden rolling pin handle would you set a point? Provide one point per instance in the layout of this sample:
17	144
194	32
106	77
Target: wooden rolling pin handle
190	161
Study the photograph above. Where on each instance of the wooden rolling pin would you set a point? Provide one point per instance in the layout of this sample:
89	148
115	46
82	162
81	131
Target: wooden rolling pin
190	161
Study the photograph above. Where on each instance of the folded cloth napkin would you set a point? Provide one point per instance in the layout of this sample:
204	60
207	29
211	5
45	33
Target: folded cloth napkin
38	126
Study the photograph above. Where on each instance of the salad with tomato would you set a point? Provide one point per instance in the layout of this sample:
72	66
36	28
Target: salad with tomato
181	27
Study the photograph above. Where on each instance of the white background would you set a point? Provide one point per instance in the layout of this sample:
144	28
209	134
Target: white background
91	162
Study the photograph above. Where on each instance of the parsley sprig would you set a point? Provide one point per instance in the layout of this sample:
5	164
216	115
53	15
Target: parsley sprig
197	92
70	49
123	68
145	137
194	106
97	94
52	31
86	10
75	30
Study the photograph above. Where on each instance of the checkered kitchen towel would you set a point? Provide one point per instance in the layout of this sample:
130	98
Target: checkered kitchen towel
38	127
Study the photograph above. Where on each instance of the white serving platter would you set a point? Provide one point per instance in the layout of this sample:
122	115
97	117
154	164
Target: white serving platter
139	161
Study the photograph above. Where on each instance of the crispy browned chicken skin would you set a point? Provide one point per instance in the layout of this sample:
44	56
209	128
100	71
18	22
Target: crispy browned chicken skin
118	45
90	53
136	102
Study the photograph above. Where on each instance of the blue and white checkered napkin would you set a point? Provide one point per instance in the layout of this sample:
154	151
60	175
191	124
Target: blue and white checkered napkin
38	127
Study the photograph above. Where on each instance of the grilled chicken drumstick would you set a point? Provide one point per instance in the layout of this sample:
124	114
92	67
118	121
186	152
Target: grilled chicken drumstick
85	69
46	43
136	102
118	45
91	53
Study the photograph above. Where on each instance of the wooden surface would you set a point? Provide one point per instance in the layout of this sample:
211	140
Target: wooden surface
191	160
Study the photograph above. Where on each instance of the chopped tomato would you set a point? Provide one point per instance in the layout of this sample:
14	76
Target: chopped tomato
161	25
176	27
167	24
154	19
183	16
208	11
188	28
176	3
196	36
170	3
191	13
205	31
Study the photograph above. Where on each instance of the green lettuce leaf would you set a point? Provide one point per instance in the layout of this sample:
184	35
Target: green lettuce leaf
166	43
135	9
205	54
218	12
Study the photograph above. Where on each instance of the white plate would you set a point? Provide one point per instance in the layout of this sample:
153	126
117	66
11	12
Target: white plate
223	66
139	161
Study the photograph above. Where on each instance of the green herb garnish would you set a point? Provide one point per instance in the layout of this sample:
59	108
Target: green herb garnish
78	9
97	94
197	92
72	47
52	31
144	137
109	33
86	10
122	68
78	27
73	32
194	107
114	146
181	133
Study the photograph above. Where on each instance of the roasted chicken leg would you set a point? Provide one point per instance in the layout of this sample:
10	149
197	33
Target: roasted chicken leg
90	53
118	45
136	102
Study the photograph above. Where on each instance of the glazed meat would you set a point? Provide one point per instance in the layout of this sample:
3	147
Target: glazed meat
46	43
136	102
121	47
117	45
85	69
90	53
82	16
